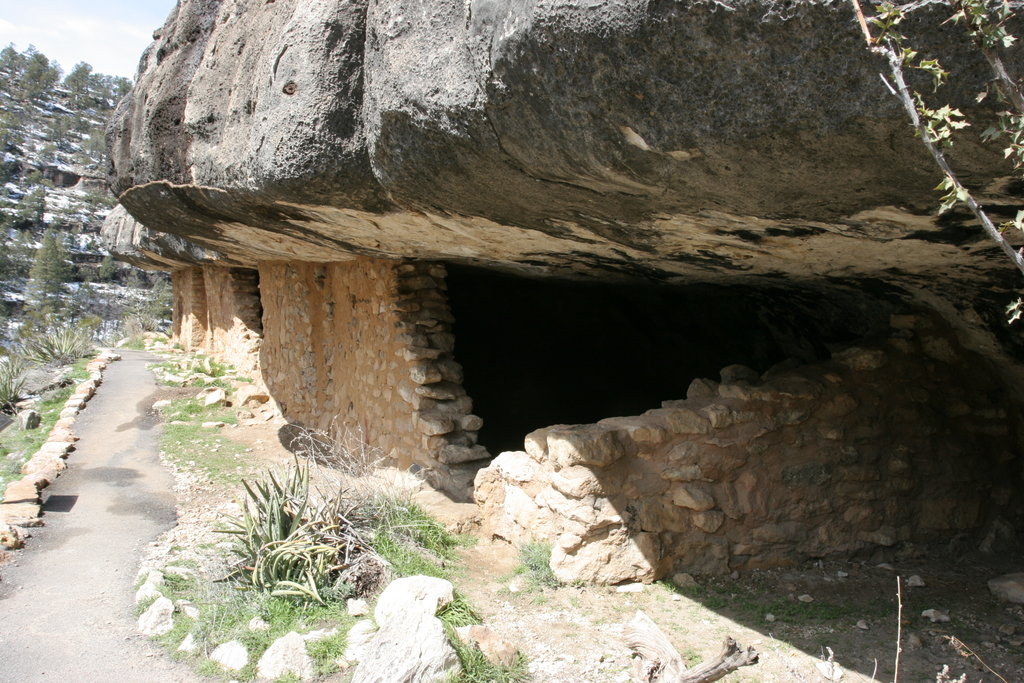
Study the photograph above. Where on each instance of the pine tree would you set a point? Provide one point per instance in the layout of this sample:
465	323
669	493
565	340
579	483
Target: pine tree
80	82
50	271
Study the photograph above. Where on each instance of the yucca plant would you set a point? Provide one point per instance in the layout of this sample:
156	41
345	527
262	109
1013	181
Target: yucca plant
12	380
292	543
60	346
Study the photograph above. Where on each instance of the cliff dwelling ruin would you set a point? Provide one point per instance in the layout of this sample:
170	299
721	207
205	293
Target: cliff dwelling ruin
665	306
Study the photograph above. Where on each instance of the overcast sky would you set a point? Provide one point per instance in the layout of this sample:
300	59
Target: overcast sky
108	34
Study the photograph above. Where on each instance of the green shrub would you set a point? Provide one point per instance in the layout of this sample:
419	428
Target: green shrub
535	565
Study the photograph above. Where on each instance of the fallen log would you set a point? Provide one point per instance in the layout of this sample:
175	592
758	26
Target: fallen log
657	661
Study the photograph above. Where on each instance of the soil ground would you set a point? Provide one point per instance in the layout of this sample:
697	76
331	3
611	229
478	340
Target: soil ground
574	634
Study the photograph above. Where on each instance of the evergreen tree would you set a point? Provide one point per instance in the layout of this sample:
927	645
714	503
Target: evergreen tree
38	77
107	269
80	82
49	273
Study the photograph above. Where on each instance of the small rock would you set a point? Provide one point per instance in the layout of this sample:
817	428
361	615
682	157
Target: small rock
497	650
630	588
188	608
188	645
1008	587
684	580
676	598
286	655
357	608
805	598
516	585
770	618
158	619
231	655
147	591
914	641
1007	629
214	425
29	419
936	615
257	624
157	405
212	397
915	581
734	575
863	625
405	597
11	537
842	575
886	566
320	634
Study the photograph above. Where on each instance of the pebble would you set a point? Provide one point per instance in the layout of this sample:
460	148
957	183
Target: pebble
630	588
936	615
915	581
357	608
842	575
770	618
886	566
863	625
257	624
1007	629
805	598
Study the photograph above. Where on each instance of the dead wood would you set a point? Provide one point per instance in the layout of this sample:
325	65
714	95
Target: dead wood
657	661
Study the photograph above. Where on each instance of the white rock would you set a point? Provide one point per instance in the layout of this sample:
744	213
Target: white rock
188	645
257	624
231	655
886	566
357	608
515	585
321	634
212	397
214	425
411	650
936	615
158	619
842	575
286	655
630	588
915	581
358	636
412	595
157	405
805	598
770	618
147	591
863	625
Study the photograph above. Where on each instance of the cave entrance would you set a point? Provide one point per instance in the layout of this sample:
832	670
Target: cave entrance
538	352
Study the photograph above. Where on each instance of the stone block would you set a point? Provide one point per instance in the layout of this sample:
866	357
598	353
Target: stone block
440	391
611	556
692	497
425	373
434	423
515	466
594	445
683	473
642	430
1008	587
699	391
453	455
682	420
577	482
536	442
21	514
21	491
471	423
739	373
859	359
708	520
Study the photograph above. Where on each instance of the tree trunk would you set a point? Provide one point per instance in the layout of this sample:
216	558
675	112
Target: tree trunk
658	662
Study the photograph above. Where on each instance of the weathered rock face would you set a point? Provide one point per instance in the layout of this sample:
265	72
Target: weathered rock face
853	456
632	137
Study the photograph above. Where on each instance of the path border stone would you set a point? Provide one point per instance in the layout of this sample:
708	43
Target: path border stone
22	503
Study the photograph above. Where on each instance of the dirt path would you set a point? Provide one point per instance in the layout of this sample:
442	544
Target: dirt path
66	604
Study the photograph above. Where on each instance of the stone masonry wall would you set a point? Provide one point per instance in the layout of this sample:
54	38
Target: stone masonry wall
189	308
217	311
878	448
365	347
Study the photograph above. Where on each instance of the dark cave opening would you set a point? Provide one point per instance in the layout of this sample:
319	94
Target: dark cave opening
538	352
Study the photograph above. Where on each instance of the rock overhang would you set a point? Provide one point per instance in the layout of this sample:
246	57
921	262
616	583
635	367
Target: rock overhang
674	141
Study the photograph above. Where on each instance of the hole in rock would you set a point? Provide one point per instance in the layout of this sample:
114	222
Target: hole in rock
538	352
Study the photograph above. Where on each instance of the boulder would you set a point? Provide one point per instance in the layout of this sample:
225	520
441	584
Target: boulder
28	419
413	649
497	650
358	637
412	595
286	656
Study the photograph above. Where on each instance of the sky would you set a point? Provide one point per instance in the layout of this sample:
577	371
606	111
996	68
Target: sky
108	34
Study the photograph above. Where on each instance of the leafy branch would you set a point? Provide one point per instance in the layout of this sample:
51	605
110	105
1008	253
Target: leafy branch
987	28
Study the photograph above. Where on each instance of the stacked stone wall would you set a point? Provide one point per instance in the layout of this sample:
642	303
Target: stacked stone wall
217	311
879	448
364	348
